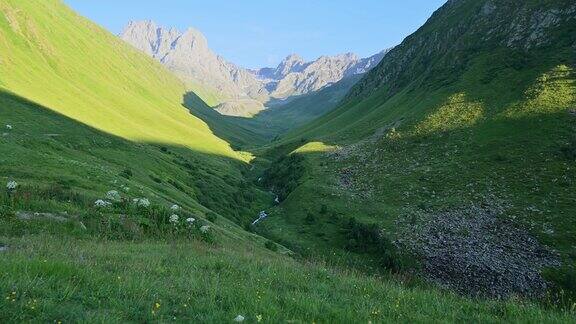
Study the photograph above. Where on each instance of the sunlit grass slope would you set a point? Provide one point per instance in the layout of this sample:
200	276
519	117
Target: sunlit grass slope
58	59
89	114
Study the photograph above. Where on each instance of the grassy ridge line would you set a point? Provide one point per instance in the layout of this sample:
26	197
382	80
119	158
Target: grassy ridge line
64	62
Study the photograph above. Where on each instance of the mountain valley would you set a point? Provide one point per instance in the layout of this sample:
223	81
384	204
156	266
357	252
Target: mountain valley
431	182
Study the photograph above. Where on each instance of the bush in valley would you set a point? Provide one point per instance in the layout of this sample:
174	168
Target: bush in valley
155	179
324	209
284	175
249	228
563	291
212	217
369	239
310	218
271	246
126	173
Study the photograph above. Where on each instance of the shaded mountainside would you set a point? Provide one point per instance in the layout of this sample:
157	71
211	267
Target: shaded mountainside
299	110
476	108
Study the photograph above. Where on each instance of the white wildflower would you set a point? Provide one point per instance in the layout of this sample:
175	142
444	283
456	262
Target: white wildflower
175	208
204	229
142	202
102	203
11	185
239	318
9	127
174	219
190	221
113	195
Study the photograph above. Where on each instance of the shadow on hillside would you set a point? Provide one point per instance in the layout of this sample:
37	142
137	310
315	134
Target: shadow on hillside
241	132
44	147
280	117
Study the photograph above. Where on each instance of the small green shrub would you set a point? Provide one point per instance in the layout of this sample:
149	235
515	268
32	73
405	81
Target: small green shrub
155	179
249	228
212	217
563	291
310	219
271	246
569	150
126	173
369	239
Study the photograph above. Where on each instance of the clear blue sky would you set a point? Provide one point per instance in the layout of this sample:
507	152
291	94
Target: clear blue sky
258	33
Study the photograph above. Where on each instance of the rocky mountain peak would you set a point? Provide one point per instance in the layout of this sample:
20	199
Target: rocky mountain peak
292	63
193	37
187	55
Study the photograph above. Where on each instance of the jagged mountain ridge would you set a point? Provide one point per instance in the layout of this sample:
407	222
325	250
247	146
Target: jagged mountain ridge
187	55
294	76
242	91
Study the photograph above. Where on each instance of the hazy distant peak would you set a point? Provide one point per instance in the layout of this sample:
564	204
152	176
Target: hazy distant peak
293	58
187	54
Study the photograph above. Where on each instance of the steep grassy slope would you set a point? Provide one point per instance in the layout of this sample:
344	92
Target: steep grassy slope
475	108
90	90
53	57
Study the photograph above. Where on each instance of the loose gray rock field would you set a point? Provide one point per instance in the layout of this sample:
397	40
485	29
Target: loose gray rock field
475	252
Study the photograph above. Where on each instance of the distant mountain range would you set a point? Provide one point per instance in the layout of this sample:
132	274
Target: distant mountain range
239	91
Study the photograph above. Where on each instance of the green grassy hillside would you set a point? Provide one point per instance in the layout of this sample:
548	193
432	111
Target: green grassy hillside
475	108
50	56
87	104
100	147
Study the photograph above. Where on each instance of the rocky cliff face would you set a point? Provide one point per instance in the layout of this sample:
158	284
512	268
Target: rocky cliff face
187	54
293	76
243	91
